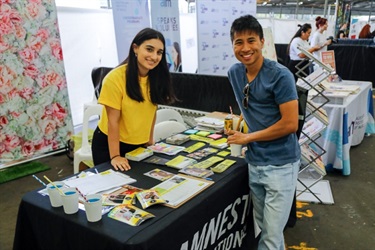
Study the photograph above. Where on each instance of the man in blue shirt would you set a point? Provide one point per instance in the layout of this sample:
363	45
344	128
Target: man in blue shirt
266	93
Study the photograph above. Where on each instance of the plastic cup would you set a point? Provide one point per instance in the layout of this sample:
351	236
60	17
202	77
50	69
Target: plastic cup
70	200
235	149
93	207
54	194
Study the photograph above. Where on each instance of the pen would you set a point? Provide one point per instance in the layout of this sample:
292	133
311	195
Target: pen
96	171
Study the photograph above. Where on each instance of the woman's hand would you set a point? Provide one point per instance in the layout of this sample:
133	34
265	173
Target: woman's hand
120	163
150	142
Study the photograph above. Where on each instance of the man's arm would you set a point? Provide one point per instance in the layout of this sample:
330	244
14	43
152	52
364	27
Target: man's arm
288	124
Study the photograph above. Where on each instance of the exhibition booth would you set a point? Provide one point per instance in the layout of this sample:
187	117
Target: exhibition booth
219	217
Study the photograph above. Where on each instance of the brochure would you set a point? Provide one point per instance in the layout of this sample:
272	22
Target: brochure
202	153
177	139
159	174
220	143
138	154
310	157
311	129
222	166
149	197
194	147
181	188
124	195
156	160
201	138
129	214
165	148
197	172
180	162
209	162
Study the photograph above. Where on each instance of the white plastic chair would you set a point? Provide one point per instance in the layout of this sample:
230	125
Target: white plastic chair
84	153
168	115
165	129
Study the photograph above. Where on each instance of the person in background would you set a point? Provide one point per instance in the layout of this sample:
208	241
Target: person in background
300	39
366	32
176	56
318	38
266	94
130	94
342	32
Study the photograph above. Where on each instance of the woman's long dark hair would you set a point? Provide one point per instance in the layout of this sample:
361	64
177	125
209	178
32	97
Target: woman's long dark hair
160	82
178	50
302	28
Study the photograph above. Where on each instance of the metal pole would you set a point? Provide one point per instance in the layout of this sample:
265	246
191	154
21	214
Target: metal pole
325	8
369	15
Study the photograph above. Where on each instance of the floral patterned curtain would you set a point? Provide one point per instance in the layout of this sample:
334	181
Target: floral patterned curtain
35	115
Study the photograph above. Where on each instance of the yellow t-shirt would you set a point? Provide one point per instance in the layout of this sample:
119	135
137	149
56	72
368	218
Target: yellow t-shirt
136	117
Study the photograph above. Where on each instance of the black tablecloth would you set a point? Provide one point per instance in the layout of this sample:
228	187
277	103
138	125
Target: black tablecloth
216	218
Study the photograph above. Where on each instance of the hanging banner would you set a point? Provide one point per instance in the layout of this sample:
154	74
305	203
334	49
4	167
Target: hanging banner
214	19
35	115
129	17
165	18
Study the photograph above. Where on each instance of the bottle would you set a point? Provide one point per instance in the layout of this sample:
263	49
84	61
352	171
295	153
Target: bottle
228	123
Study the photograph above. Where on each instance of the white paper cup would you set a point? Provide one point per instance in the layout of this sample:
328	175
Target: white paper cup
235	149
70	200
54	194
93	207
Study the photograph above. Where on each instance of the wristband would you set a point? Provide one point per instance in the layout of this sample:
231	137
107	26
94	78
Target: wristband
114	157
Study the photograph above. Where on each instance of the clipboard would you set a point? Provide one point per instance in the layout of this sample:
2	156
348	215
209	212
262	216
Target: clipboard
181	188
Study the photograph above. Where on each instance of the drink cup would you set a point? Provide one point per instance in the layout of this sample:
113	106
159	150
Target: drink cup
93	207
70	200
235	149
54	194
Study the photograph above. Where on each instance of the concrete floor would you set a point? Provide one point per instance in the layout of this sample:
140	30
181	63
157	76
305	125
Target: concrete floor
348	224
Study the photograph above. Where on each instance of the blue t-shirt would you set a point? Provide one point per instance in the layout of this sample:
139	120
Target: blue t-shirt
273	86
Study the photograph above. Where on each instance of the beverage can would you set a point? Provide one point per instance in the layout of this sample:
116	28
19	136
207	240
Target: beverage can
228	123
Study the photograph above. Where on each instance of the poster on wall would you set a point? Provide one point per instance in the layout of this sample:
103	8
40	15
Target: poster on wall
35	116
269	49
165	17
214	18
129	17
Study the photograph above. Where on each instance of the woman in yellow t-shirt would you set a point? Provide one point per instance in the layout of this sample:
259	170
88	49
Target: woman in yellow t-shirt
130	94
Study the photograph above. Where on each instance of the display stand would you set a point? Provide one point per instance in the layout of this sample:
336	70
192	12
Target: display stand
312	169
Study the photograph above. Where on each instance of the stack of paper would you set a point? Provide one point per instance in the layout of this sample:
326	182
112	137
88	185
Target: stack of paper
210	124
92	184
139	154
